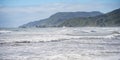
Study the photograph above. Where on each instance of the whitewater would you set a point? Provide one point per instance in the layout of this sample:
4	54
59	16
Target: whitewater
69	43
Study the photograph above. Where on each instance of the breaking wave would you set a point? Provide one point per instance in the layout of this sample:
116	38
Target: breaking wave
60	44
56	35
63	57
57	38
4	31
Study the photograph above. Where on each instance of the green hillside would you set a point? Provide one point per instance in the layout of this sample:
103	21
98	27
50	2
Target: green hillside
111	19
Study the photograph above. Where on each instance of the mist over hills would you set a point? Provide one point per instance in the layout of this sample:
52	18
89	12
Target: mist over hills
78	19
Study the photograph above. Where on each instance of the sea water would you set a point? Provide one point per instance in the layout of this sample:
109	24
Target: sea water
80	43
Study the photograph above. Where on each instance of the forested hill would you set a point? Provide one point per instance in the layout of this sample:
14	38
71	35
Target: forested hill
111	19
57	19
79	19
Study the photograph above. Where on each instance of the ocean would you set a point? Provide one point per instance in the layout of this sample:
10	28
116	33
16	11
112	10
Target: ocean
75	43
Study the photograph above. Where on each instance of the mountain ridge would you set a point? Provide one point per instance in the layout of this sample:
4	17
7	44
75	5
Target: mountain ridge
111	19
79	19
58	18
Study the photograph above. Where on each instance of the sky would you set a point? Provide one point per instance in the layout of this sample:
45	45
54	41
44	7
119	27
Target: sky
14	13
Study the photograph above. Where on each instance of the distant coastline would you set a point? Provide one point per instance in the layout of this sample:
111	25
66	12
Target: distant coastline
78	19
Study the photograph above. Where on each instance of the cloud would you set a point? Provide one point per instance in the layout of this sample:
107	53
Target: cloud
58	7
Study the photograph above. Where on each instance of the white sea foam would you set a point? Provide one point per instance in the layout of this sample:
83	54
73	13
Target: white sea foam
57	34
63	57
60	44
4	31
45	38
80	57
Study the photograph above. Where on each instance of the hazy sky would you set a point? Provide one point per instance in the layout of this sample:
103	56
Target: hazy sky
17	12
